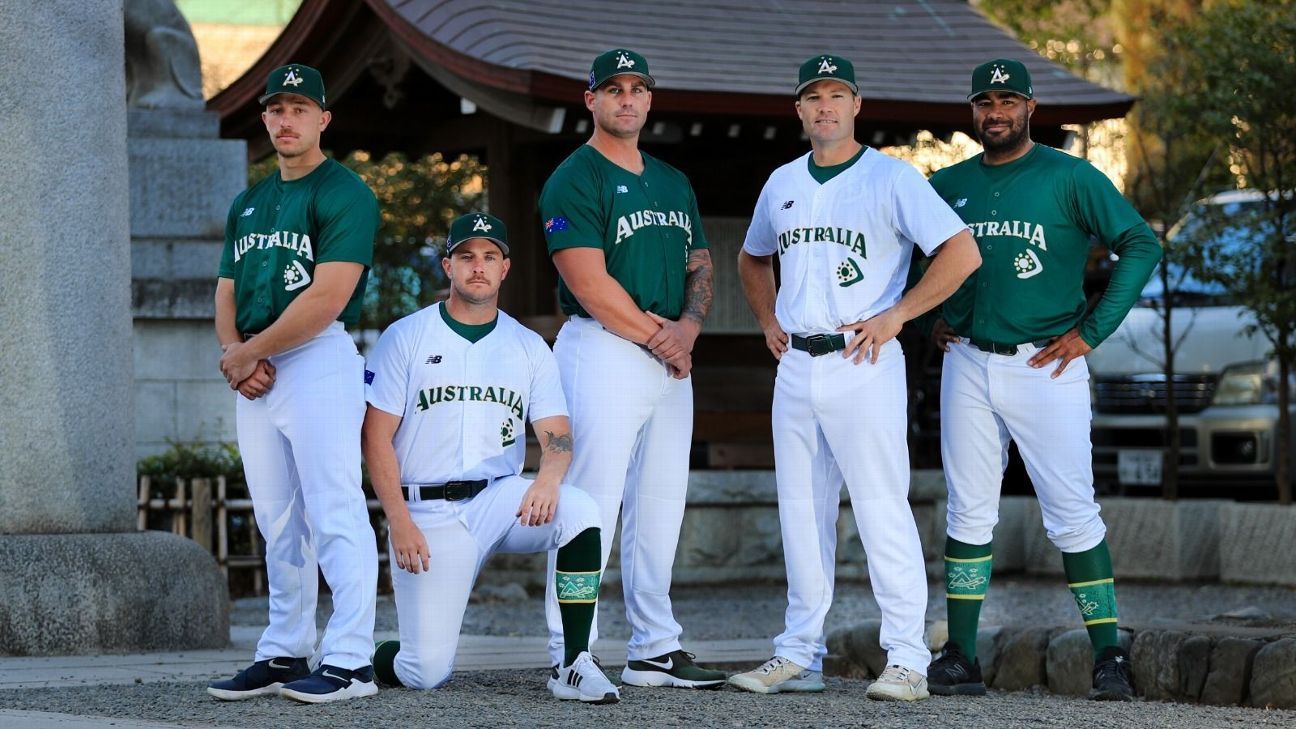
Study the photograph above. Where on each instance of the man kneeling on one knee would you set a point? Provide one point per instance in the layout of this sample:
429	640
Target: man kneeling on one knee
450	389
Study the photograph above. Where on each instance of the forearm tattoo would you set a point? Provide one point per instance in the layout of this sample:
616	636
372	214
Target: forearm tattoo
557	443
698	286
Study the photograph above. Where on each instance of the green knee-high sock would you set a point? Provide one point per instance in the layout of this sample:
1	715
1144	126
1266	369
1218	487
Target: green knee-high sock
967	577
1089	575
577	581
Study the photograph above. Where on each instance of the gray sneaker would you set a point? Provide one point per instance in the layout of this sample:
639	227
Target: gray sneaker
779	675
898	683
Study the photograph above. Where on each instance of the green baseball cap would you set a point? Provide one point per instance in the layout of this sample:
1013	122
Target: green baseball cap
618	62
833	68
1001	74
295	78
477	225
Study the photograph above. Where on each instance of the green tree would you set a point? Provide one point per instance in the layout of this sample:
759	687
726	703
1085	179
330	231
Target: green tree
1239	66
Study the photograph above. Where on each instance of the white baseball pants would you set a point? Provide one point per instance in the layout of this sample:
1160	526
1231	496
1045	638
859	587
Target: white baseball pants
301	453
632	428
461	536
988	399
834	422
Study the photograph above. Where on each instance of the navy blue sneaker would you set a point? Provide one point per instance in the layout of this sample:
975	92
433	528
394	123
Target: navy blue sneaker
260	679
330	683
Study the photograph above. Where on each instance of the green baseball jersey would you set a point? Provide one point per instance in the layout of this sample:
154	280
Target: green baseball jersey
645	224
278	230
1033	219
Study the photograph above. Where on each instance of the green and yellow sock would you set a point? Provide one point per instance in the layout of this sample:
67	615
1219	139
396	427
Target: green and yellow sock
577	580
967	577
1089	575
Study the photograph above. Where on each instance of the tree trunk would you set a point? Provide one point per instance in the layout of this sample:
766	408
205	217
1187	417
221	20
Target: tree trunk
1282	466
1170	456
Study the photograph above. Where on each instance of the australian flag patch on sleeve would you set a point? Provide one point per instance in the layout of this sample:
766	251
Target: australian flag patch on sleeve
369	375
553	225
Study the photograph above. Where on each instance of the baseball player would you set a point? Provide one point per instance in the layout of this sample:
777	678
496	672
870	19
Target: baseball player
1014	338
635	278
450	389
844	220
298	245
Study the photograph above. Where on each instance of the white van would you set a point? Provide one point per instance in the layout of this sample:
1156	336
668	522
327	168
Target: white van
1225	384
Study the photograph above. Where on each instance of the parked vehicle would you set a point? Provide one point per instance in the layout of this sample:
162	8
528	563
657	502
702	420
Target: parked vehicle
1225	380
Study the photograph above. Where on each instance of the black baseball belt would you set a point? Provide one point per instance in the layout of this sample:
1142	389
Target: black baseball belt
450	490
1007	350
819	344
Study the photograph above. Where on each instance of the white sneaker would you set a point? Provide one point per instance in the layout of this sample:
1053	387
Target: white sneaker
898	683
779	675
584	680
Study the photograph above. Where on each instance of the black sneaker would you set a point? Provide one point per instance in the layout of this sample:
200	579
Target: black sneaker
952	674
1113	678
675	669
259	679
330	683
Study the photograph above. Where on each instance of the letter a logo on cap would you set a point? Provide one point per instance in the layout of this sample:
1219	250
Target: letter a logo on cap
481	224
827	66
291	78
997	75
624	61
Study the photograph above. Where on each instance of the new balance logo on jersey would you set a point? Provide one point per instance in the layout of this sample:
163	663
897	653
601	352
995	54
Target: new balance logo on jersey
960	202
622	188
788	205
434	359
997	75
247	212
624	61
291	78
1030	232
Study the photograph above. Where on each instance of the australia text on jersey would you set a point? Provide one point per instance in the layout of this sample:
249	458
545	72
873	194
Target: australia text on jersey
822	234
299	242
628	224
471	393
1033	233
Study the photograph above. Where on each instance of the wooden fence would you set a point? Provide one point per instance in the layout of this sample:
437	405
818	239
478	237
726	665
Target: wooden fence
202	510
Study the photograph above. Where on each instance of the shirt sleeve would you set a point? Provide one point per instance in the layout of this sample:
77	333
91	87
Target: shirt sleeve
387	371
547	399
226	269
1103	212
699	240
761	240
347	217
920	214
572	211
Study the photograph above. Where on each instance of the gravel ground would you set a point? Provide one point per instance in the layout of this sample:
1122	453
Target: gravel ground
756	611
519	698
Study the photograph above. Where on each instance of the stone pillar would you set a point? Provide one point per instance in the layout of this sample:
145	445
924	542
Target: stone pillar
77	577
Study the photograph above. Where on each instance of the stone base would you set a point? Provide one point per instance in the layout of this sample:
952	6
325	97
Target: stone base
68	594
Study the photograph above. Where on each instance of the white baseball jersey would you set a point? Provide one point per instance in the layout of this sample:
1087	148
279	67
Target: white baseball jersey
463	405
844	246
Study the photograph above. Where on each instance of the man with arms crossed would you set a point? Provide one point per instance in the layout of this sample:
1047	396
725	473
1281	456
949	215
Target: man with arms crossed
624	232
298	245
844	220
1015	337
450	390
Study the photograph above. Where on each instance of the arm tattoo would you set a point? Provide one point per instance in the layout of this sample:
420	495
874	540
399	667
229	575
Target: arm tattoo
698	286
558	443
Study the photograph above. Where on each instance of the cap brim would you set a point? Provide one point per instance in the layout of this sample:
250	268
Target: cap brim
975	94
263	98
502	245
852	86
649	79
